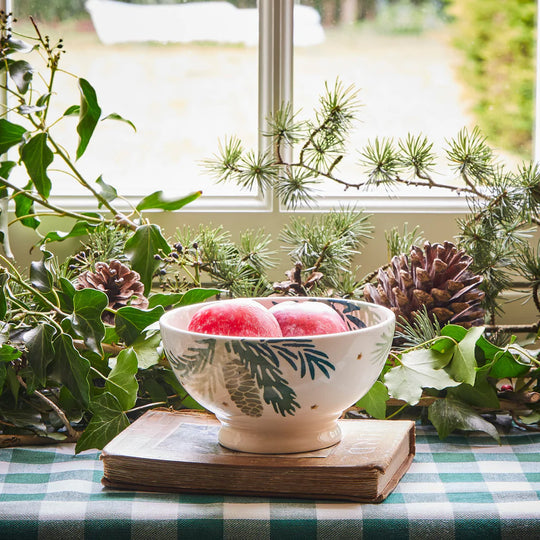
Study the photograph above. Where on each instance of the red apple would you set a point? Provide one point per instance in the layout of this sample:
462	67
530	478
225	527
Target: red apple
239	317
307	318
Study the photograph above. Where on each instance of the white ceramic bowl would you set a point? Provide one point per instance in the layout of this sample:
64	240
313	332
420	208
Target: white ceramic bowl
280	395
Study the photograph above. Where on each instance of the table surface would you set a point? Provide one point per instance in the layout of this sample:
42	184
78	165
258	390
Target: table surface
464	487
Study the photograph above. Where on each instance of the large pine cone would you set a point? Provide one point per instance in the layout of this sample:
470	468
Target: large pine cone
437	278
121	285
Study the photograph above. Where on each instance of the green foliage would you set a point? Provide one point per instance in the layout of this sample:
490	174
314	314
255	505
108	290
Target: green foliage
88	305
418	370
448	415
327	243
374	402
498	40
504	204
108	420
68	353
458	370
402	242
141	248
209	254
158	201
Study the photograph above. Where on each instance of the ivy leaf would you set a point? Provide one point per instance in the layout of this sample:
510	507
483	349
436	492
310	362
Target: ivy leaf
80	228
3	376
155	391
40	350
73	110
19	46
3	300
164	299
110	335
40	275
37	156
197	295
121	381
454	331
69	405
148	350
72	368
21	72
107	191
507	365
8	353
5	170
66	294
374	402
13	383
187	401
116	116
140	249
447	415
10	135
131	321
156	200
193	296
532	418
26	419
418	369
486	351
89	116
88	305
24	206
482	394
463	365
107	422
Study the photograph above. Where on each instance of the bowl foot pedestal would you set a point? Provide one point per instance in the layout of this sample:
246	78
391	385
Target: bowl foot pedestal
278	441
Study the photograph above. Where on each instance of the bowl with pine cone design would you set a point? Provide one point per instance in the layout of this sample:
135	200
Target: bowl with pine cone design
278	372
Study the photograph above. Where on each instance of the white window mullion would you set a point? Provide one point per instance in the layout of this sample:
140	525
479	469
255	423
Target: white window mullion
275	67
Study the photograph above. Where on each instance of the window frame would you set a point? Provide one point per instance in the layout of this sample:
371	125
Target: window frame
275	86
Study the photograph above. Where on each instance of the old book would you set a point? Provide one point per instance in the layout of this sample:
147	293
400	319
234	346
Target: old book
179	451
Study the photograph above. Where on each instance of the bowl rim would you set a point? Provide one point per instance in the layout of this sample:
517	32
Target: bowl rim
389	319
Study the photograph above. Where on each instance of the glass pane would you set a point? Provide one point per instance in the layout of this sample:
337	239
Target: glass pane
427	67
184	73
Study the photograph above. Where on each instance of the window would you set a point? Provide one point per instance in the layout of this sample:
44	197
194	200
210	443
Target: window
185	73
197	87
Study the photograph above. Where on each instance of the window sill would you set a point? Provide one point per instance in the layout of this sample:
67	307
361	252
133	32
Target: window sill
394	202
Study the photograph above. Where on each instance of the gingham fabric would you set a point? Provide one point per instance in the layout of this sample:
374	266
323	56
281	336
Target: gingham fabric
467	487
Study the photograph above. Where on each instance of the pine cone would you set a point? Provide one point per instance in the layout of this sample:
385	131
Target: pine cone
436	278
121	285
294	285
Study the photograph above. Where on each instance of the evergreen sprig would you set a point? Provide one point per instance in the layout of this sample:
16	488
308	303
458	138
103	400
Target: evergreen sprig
401	242
327	243
504	205
208	255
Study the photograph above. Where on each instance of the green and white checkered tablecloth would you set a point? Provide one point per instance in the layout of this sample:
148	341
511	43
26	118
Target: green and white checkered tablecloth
464	487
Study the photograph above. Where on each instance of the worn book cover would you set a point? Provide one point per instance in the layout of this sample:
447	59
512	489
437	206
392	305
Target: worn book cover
179	451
